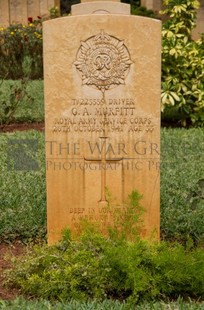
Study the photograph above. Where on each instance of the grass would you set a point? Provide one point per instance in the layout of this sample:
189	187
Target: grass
23	304
182	184
23	197
29	110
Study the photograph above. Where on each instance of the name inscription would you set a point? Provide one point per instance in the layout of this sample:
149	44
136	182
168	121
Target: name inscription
91	115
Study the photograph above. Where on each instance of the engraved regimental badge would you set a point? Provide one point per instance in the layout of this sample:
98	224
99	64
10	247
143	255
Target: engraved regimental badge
103	62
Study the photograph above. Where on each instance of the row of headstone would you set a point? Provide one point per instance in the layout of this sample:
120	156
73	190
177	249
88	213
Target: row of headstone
19	11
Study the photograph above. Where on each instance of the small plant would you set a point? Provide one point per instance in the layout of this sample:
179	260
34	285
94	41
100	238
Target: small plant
16	96
127	220
54	12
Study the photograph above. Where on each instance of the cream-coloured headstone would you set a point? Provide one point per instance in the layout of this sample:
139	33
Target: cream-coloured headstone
102	110
33	9
196	33
45	5
4	13
100	7
82	1
18	11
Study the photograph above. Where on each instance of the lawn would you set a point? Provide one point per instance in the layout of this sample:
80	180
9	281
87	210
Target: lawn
21	303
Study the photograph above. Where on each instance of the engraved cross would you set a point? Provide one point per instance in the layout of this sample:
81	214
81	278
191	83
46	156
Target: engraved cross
103	161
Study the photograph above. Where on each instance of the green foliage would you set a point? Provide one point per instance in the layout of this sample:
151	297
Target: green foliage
127	219
20	101
182	63
21	51
54	12
95	267
182	188
23	198
22	304
142	11
17	93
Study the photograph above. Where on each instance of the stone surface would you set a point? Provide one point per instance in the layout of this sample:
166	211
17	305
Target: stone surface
196	34
82	1
45	5
96	8
18	11
33	9
4	13
102	110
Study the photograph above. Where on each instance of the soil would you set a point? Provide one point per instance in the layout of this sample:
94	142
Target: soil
22	126
7	252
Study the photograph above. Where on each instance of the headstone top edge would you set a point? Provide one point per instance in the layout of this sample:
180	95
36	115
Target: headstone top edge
59	19
100	7
85	1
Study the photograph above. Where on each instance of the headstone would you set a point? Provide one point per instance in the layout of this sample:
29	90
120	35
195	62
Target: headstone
18	11
45	5
4	13
33	9
199	29
102	111
100	7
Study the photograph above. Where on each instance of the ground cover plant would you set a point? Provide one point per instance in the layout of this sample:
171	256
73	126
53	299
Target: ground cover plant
22	304
97	267
182	185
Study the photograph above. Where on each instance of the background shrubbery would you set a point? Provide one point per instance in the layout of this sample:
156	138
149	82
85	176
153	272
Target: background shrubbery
21	51
182	59
182	65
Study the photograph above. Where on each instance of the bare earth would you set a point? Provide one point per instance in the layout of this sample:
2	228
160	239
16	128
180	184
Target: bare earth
21	127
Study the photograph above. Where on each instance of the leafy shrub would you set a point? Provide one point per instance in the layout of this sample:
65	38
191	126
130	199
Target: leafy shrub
182	63
95	267
21	51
